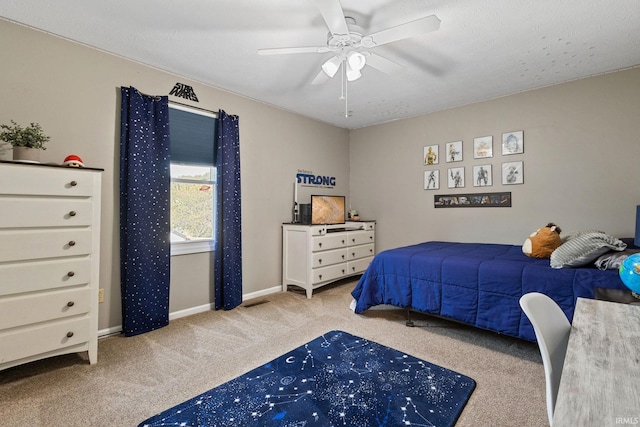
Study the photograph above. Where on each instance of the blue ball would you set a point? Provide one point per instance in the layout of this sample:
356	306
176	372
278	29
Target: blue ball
630	272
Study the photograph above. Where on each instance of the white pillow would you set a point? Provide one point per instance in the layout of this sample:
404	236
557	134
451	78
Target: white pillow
611	260
584	249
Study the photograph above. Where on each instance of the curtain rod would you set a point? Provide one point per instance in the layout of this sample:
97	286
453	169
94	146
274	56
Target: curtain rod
194	107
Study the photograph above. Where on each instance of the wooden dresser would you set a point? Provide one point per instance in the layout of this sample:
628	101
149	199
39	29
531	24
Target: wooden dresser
316	255
49	261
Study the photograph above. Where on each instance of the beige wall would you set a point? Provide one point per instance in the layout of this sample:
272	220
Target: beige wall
73	92
581	157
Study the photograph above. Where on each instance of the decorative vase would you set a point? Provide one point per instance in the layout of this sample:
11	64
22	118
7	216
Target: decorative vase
26	154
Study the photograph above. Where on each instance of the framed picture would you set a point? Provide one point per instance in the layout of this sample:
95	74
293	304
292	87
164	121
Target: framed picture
431	155
483	147
513	143
454	151
482	176
432	180
512	173
473	200
455	177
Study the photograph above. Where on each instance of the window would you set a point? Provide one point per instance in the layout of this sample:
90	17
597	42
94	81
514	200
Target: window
193	180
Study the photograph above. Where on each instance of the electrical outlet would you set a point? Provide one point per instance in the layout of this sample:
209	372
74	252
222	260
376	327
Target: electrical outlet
101	295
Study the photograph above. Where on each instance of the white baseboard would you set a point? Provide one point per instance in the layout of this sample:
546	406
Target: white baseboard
114	330
262	293
193	310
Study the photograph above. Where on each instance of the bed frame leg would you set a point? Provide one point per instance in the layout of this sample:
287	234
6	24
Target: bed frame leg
409	322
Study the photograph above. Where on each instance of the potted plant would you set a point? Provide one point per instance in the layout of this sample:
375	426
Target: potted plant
26	142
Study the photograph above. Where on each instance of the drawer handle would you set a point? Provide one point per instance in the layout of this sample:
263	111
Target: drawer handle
353	240
353	254
72	243
72	213
343	241
71	273
370	250
370	237
320	261
353	268
342	256
71	304
320	276
343	271
69	334
320	244
73	183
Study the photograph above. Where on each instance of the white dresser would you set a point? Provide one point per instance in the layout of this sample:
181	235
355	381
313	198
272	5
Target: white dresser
315	255
49	261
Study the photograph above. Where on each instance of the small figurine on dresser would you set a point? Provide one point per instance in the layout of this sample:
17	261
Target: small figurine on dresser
73	161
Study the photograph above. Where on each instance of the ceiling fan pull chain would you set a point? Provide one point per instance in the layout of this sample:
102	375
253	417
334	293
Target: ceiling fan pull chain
345	90
342	84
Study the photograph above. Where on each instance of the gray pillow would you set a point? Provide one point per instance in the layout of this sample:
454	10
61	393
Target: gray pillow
611	260
584	249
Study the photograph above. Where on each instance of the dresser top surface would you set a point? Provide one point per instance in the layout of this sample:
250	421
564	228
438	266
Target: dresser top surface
46	165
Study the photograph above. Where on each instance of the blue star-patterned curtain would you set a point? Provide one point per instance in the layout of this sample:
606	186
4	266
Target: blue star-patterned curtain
228	239
145	180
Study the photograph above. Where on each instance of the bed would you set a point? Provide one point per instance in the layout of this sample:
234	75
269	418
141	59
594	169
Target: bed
478	284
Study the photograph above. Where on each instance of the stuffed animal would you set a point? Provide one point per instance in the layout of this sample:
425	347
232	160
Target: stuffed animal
542	242
73	161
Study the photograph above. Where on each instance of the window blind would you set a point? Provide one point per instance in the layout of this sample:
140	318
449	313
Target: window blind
192	136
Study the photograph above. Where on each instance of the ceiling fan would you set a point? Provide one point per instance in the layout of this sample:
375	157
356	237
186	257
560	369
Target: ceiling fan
351	47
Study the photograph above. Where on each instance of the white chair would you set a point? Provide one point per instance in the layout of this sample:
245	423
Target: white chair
552	333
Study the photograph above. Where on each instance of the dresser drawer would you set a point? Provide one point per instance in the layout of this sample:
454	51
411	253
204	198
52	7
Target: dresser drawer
330	241
329	273
39	180
362	251
361	238
36	244
23	277
24	342
41	307
322	259
44	212
358	266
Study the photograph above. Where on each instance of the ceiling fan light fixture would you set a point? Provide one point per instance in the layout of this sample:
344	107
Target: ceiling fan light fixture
332	66
352	74
356	60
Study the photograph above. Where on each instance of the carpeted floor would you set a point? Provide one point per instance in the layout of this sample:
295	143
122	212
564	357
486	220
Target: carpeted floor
141	376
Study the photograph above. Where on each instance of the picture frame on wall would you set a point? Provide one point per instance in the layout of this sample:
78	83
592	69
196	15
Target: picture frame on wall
473	200
483	147
453	151
513	143
455	177
432	179
430	155
482	176
513	173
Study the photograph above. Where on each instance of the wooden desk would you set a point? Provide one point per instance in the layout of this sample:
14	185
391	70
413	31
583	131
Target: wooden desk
600	383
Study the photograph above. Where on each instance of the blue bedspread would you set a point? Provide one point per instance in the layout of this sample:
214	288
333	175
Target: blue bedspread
477	283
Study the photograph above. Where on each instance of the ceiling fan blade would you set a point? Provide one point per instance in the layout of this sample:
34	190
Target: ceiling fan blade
383	64
321	78
289	50
404	31
333	15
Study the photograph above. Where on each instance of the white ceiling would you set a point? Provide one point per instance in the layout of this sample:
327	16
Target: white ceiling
484	48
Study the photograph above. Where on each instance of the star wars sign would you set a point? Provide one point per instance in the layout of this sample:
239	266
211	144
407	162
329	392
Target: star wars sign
184	91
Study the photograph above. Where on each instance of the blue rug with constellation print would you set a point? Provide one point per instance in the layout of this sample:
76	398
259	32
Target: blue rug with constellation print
337	379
